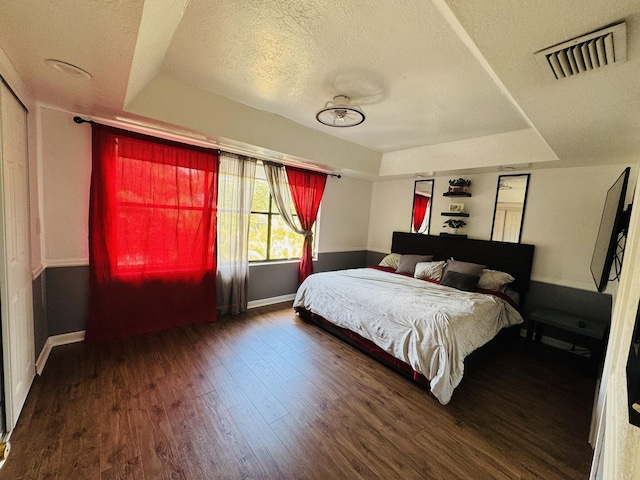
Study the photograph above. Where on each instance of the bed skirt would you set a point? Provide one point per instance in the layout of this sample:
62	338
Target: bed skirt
365	346
505	338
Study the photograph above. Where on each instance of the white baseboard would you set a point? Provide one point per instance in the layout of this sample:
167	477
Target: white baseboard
67	262
263	302
78	336
55	341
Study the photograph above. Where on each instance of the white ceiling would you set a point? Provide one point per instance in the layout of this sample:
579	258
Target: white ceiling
445	84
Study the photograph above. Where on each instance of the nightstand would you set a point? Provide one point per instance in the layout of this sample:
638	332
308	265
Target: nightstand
593	330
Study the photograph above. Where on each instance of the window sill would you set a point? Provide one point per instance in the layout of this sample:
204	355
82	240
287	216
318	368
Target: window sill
277	262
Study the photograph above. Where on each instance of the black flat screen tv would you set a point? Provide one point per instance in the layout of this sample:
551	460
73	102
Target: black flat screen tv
614	221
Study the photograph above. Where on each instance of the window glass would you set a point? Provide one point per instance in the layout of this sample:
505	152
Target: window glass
270	238
285	243
258	235
157	201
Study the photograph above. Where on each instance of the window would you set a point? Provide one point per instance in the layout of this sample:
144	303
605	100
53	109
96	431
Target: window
269	237
157	204
152	230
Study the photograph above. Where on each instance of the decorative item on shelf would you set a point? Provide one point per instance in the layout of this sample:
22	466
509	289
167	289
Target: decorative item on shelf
459	185
454	225
456	207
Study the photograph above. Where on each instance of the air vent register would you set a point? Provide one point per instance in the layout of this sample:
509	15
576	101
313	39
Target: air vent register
583	54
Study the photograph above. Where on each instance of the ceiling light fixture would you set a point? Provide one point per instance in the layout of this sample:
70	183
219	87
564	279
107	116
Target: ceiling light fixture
67	68
339	113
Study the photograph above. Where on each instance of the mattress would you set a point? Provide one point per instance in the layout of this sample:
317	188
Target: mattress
428	326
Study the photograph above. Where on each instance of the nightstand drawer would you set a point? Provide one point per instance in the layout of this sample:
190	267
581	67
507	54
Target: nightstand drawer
569	322
595	332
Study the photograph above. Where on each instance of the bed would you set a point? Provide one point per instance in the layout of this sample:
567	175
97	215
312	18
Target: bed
423	328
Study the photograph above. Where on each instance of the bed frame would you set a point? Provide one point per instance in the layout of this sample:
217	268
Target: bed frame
513	258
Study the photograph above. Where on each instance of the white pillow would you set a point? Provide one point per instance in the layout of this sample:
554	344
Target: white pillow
494	280
391	261
429	270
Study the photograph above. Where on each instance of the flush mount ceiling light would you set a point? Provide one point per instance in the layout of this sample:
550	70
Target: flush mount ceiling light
67	68
339	113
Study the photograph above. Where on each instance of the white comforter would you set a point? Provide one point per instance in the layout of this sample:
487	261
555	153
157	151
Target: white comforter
428	326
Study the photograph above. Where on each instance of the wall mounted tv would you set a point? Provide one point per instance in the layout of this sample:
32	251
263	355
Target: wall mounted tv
613	228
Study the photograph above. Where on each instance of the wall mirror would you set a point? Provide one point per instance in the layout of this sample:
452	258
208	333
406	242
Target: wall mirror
511	198
421	214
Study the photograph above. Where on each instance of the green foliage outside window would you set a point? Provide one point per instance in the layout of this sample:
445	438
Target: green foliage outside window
270	238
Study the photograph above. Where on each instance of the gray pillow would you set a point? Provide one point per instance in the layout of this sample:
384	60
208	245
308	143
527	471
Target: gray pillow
408	263
461	281
463	267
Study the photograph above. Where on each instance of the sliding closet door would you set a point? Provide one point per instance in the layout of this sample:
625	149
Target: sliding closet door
15	269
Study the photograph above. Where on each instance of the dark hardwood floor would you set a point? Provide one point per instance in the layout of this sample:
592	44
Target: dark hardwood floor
267	396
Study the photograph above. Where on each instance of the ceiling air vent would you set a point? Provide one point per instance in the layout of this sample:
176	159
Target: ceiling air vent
589	52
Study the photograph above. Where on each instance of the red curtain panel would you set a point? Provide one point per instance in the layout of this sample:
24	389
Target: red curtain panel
306	188
420	203
152	219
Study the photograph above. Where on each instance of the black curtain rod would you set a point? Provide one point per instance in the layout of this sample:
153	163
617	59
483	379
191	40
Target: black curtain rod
80	120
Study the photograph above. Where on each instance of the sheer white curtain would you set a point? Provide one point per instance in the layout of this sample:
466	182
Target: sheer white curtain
236	178
281	195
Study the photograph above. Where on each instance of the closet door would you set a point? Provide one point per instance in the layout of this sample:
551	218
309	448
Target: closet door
16	305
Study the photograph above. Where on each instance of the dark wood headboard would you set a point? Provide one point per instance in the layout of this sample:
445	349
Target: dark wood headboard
513	258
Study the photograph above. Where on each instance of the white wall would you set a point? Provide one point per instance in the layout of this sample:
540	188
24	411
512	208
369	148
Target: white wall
344	215
66	161
66	154
390	210
561	218
392	204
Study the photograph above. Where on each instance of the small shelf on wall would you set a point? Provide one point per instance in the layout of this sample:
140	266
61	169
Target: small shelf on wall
456	194
454	214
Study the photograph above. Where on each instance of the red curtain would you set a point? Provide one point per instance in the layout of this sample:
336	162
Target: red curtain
306	189
152	218
420	203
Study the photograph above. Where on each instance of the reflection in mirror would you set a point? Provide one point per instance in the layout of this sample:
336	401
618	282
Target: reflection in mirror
421	215
511	198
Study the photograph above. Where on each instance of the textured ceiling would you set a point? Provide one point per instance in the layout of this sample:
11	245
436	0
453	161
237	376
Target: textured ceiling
415	80
591	118
97	36
445	84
